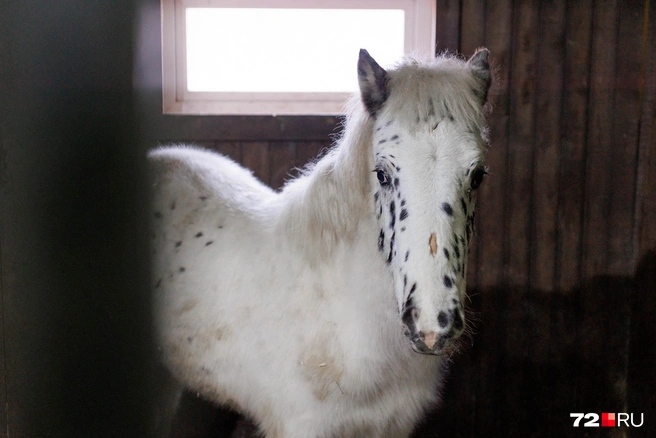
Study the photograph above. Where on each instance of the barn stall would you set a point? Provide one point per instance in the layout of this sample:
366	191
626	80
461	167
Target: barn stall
562	274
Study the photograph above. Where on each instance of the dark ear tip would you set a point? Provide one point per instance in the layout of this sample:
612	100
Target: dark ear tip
480	58
364	54
483	52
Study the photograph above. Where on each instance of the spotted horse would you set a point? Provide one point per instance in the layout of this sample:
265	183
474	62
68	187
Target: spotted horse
330	308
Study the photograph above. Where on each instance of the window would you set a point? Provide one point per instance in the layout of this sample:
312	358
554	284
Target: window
281	56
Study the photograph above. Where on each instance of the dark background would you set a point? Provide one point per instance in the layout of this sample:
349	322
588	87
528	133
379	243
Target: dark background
562	274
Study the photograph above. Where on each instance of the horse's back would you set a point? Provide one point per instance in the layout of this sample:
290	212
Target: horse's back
190	172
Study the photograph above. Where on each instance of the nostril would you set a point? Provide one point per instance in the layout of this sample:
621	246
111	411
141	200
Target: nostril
458	322
442	319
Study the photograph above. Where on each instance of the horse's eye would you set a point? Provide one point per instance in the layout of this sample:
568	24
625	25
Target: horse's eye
477	177
383	179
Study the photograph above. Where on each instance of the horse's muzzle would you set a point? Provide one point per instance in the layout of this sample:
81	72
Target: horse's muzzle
430	343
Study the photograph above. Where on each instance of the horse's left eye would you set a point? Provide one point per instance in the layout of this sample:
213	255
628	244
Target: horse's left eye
477	177
383	179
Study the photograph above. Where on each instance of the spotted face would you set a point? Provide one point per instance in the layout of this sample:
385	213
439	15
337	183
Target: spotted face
428	154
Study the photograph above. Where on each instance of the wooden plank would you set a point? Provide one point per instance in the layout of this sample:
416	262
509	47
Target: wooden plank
541	323
448	23
518	386
599	148
231	149
159	127
472	26
546	165
645	234
308	152
521	141
643	324
562	370
491	221
573	145
282	157
255	156
624	151
596	295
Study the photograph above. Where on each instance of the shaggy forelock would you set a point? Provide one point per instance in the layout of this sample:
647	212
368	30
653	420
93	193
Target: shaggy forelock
446	81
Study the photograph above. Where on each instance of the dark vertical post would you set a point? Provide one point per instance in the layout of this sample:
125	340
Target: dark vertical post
74	263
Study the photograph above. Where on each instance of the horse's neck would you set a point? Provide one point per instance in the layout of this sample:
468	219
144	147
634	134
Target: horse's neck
331	202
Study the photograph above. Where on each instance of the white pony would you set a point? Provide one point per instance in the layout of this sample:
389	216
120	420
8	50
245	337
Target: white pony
306	309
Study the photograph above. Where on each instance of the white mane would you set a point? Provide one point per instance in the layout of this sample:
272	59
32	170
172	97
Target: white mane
330	199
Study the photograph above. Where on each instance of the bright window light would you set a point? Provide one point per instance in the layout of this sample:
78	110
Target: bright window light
287	50
279	57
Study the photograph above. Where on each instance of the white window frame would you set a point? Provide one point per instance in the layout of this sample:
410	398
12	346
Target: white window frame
420	19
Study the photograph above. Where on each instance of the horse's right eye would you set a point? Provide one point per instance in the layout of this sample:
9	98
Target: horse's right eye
383	179
477	177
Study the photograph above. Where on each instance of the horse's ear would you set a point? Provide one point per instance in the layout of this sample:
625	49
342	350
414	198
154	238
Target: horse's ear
480	68
373	82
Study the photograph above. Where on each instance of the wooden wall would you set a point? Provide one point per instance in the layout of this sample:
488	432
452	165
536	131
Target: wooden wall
562	276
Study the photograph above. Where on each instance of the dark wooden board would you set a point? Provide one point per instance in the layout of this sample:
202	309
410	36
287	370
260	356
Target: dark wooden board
599	147
282	156
516	369
573	144
472	26
624	151
448	22
642	355
255	156
548	107
491	221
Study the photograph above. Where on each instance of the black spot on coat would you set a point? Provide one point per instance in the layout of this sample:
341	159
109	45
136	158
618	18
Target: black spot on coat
391	250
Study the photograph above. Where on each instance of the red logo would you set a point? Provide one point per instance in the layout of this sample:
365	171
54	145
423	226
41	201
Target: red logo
607	420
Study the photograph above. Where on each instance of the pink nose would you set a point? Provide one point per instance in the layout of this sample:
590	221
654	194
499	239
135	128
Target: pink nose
430	339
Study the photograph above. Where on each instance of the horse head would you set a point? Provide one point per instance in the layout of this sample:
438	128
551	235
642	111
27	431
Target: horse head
428	145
